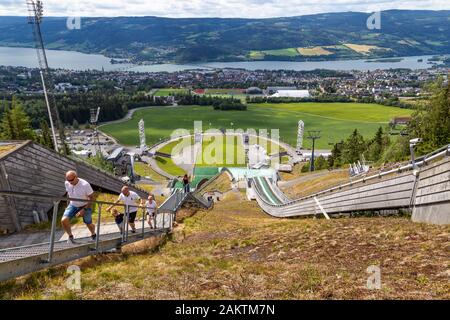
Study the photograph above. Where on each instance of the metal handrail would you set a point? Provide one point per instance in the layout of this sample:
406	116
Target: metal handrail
57	200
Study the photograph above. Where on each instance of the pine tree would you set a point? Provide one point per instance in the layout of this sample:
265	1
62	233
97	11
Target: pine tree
15	124
6	126
432	123
75	124
335	160
353	148
376	146
46	135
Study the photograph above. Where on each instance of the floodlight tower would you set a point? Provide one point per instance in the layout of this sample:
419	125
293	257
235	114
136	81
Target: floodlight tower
35	15
313	135
95	112
300	133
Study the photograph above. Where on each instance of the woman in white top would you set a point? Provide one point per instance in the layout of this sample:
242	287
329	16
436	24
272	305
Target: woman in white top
151	208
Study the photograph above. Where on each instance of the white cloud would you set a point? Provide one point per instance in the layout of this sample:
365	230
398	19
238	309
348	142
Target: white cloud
215	8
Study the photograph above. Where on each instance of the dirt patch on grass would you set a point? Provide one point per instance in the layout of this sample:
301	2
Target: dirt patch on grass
361	48
314	51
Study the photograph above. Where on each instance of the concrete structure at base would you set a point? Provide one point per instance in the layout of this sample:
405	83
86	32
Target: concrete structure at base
291	94
300	133
432	197
31	168
425	191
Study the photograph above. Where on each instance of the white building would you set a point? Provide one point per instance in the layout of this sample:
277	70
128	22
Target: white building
291	94
257	157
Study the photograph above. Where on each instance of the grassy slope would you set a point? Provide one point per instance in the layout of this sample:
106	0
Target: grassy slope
315	184
145	170
222	184
236	252
336	120
169	166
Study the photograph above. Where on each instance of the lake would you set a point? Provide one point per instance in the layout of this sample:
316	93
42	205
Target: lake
26	57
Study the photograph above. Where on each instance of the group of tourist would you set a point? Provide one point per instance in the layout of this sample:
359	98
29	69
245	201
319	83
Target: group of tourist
81	207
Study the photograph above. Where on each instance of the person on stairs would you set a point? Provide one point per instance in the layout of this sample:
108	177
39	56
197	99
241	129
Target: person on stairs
186	184
132	201
151	207
78	188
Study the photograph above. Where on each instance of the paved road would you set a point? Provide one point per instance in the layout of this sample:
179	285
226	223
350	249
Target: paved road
153	164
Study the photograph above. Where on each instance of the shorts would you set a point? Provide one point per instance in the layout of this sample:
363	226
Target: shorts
152	214
119	218
71	212
132	217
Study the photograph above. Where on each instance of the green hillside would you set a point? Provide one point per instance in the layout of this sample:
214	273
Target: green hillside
404	33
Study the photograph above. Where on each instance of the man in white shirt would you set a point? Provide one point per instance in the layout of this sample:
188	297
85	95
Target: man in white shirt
132	200
151	208
78	189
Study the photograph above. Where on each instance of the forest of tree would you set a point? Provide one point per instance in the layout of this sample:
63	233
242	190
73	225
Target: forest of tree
430	122
218	103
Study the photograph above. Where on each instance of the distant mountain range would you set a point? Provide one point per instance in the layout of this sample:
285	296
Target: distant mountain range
313	37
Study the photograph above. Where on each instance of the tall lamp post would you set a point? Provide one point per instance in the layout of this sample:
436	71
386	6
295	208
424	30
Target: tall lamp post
95	112
313	135
35	17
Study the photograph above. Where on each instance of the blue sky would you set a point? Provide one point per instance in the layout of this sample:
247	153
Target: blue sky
215	8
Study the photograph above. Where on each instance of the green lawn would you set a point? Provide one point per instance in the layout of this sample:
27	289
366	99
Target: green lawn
169	166
169	92
335	120
231	155
242	97
288	52
168	147
144	170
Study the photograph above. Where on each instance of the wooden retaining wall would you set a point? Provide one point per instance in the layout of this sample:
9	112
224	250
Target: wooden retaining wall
388	192
432	203
32	168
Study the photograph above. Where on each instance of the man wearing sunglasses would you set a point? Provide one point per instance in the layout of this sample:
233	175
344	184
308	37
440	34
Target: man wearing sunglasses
78	189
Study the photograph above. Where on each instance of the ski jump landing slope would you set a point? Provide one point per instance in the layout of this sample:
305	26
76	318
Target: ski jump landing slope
424	189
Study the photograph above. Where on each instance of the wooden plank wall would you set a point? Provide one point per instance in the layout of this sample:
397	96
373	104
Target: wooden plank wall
432	203
35	169
388	192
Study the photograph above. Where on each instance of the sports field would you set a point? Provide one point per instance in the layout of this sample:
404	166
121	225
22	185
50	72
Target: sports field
169	92
217	151
220	151
335	120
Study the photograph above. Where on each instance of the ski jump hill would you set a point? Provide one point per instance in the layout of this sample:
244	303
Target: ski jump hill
423	189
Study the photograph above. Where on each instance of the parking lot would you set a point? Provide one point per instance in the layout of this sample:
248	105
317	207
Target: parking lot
85	142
